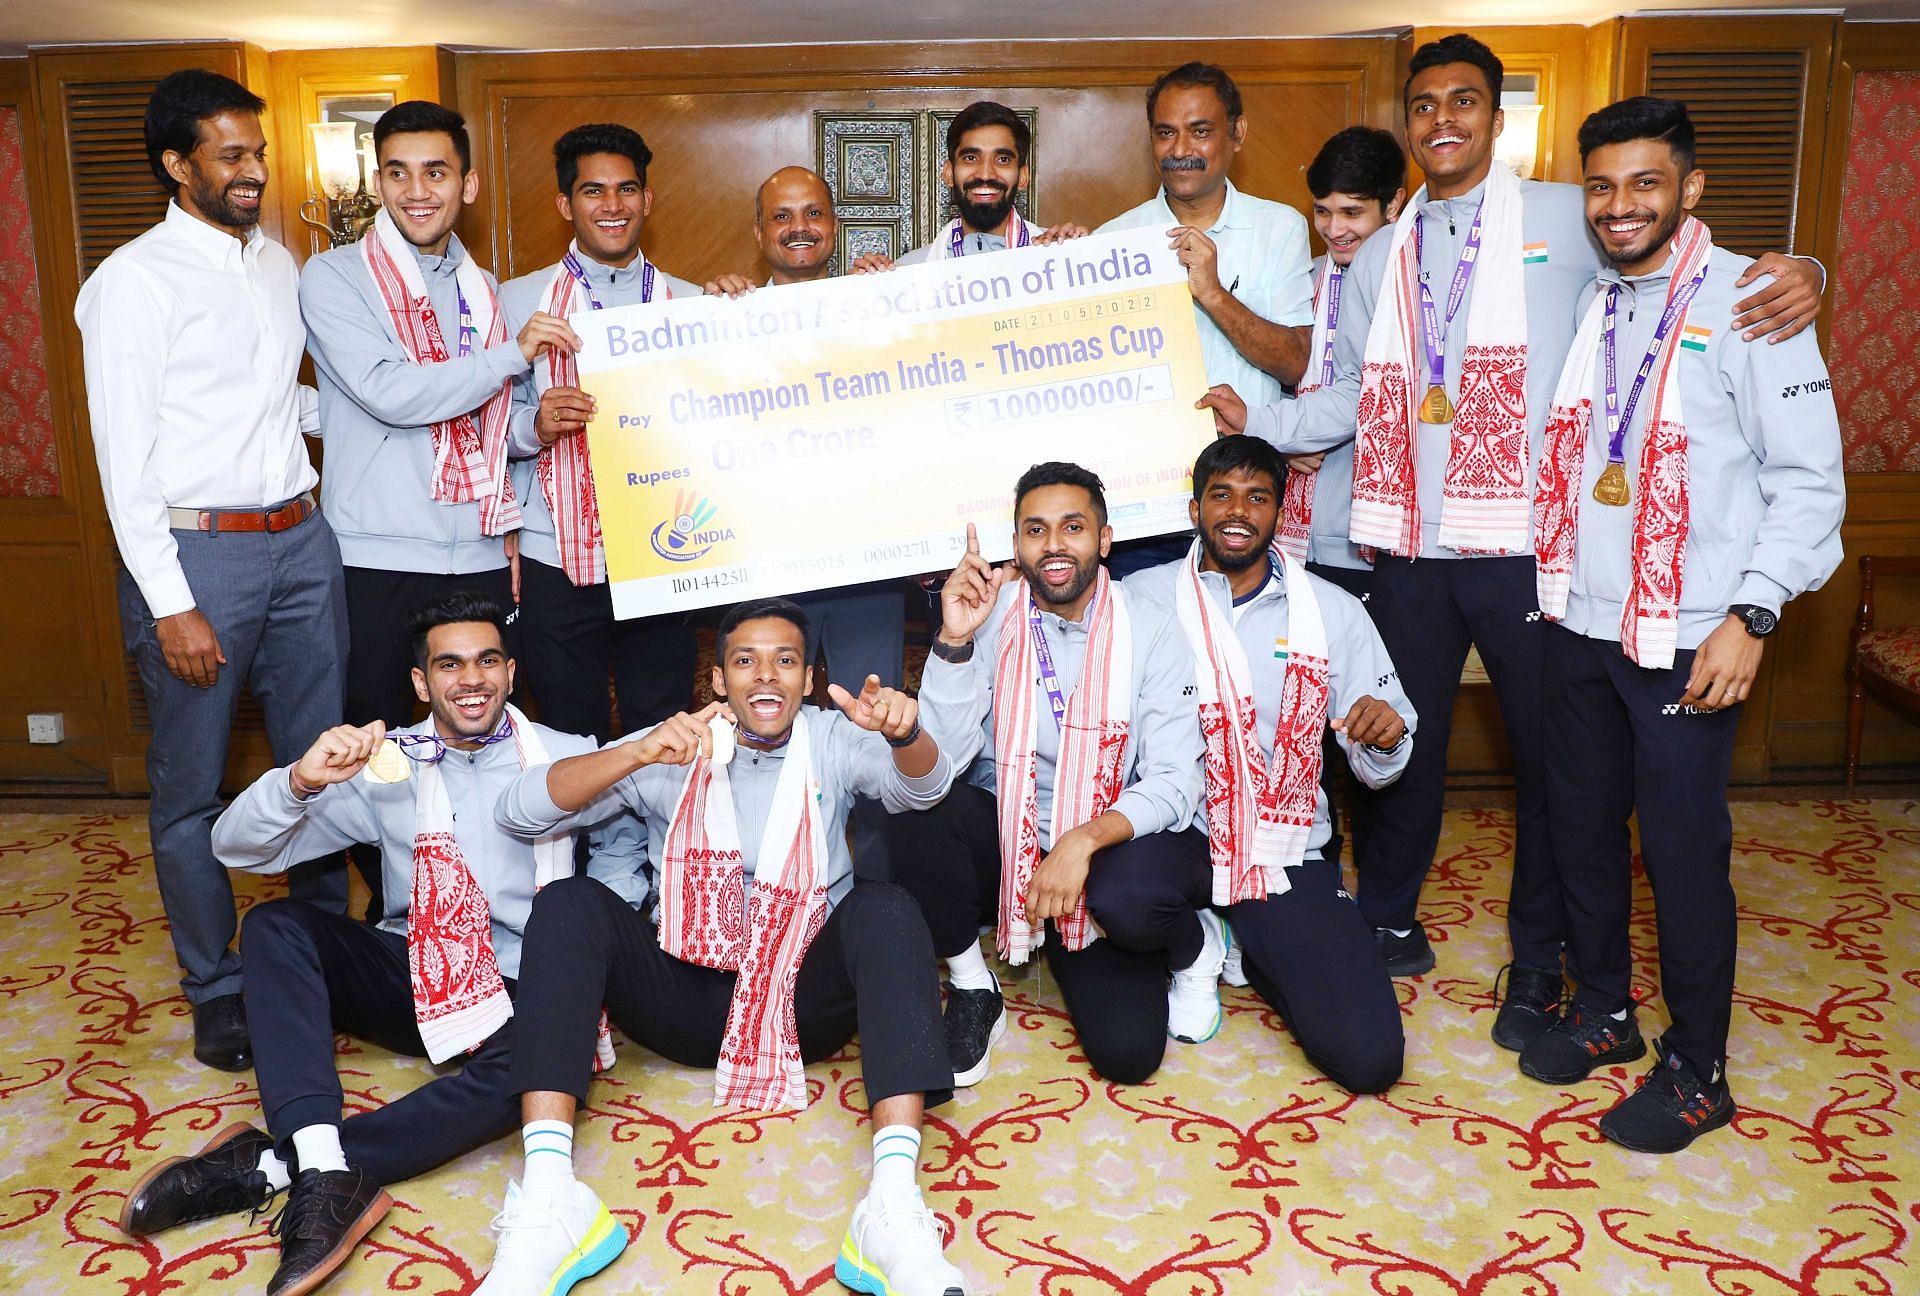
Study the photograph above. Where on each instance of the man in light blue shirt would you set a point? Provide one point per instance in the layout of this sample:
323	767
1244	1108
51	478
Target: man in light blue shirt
1248	263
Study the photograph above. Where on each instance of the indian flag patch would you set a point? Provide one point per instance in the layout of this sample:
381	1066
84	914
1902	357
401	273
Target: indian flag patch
1695	338
1534	253
1279	649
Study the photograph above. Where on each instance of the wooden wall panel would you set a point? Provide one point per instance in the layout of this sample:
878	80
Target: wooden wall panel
1562	56
720	121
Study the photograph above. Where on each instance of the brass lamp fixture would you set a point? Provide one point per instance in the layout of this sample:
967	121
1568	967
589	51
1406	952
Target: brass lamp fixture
343	209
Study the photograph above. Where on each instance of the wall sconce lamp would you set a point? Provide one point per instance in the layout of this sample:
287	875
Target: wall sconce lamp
1519	142
343	209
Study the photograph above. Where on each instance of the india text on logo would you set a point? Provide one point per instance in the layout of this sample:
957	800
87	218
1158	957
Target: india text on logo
686	536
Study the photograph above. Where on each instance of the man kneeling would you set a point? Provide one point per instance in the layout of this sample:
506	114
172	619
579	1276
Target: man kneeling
434	977
757	829
1279	656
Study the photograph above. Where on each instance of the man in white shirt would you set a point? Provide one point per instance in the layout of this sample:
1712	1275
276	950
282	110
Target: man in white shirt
1248	262
193	342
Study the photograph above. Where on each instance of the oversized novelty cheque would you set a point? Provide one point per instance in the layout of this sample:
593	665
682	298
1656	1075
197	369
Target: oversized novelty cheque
825	434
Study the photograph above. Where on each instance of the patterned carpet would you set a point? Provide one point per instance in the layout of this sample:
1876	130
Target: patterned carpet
1237	1170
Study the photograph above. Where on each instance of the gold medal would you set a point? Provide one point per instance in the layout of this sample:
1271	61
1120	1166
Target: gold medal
388	764
722	740
1612	488
1436	408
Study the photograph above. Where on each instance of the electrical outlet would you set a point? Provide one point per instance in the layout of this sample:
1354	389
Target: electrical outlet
47	727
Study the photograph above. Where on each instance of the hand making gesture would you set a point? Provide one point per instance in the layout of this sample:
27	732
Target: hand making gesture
970	592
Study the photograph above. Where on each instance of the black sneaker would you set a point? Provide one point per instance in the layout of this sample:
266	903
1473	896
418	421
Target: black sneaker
1672	1107
1579	1041
222	1178
1408	955
975	1020
327	1213
1531	1006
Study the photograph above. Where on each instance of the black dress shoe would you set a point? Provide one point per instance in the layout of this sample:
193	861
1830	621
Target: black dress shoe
327	1213
220	1038
220	1179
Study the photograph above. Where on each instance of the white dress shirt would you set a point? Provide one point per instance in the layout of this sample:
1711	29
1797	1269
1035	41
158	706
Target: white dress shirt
193	343
1264	262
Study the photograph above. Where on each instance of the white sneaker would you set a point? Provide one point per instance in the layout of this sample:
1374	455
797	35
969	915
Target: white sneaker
546	1247
1232	971
1193	998
892	1248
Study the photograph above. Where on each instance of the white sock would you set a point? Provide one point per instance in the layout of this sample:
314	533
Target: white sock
1402	935
1619	1016
317	1147
275	1170
968	970
896	1162
549	1149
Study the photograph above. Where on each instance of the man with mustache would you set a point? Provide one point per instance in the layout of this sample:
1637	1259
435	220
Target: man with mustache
435	977
572	641
764	955
1461	316
1074	698
1279	659
1692	486
859	630
231	577
988	146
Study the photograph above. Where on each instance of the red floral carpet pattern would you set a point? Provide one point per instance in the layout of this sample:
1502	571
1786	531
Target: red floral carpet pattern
1876	369
1237	1170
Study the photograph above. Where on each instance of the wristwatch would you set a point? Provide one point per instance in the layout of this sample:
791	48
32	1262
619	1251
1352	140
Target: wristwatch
947	652
1761	622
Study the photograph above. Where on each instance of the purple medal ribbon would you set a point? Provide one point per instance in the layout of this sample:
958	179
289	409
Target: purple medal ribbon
1049	680
1619	417
466	322
960	235
579	273
1436	339
438	745
1335	277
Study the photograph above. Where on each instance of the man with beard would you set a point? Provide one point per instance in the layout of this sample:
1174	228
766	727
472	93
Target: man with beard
572	641
1677	512
746	803
1279	658
231	577
988	146
860	630
434	978
1083	800
1468	305
416	369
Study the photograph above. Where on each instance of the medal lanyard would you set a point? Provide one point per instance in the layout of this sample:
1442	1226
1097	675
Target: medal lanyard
1049	679
1435	332
579	273
1620	417
434	747
960	234
466	322
1335	277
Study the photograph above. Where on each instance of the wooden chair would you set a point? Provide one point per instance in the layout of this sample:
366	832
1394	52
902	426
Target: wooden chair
1882	661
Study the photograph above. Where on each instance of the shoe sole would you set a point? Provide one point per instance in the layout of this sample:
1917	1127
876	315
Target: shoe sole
851	1270
1633	1053
1218	1017
974	1074
1711	1125
604	1242
369	1218
147	1180
1412	967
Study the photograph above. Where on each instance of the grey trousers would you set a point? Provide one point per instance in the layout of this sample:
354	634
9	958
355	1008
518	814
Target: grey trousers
278	605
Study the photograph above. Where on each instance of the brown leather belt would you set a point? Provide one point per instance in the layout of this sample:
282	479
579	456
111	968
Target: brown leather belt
288	515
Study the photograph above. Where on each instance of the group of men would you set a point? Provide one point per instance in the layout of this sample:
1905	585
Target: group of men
1132	776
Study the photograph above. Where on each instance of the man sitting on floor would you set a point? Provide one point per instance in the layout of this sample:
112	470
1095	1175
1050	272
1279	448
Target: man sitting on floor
764	956
435	977
1276	652
1084	801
